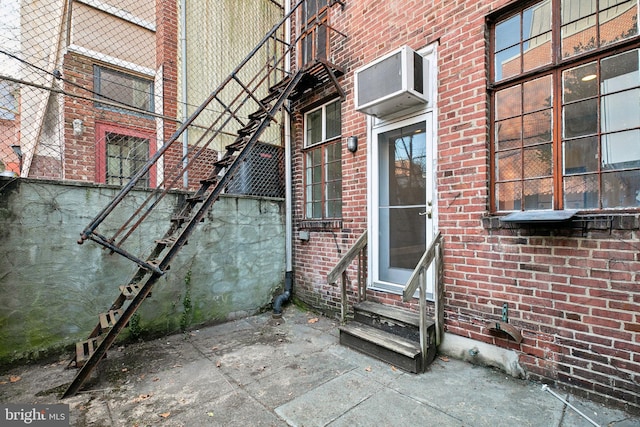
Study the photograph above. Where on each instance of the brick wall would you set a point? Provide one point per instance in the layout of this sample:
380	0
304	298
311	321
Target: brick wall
81	158
167	65
572	292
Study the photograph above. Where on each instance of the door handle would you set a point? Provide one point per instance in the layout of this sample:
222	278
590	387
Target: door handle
428	212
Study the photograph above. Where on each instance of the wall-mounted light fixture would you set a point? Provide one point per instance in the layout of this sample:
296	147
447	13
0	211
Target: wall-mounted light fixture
77	127
352	143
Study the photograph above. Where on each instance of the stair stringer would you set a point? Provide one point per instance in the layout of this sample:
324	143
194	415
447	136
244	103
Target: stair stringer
162	264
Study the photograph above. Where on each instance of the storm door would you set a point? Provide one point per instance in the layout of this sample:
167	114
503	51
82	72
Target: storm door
402	217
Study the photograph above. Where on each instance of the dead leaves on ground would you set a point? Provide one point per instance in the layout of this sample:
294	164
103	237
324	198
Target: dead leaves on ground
393	368
12	379
142	397
313	320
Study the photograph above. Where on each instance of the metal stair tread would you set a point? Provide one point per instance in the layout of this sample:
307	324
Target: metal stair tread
130	291
108	319
85	349
384	339
389	312
92	351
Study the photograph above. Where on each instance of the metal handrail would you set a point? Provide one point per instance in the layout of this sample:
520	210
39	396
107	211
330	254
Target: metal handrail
262	79
340	272
418	281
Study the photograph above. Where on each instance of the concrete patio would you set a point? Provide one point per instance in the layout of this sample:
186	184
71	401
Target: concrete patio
292	371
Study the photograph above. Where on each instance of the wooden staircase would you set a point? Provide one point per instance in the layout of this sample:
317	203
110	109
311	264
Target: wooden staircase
246	109
390	334
402	338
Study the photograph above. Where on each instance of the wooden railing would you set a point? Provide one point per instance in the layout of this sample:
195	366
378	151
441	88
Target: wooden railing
418	280
358	250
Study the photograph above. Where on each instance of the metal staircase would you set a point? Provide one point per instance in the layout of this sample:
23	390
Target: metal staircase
239	111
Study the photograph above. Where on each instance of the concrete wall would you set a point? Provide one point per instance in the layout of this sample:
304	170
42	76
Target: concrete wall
52	289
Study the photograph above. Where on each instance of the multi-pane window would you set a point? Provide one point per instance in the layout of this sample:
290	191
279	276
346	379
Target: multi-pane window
323	162
566	106
120	88
125	155
313	37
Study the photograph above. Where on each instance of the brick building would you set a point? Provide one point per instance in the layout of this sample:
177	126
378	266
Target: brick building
521	148
91	90
130	65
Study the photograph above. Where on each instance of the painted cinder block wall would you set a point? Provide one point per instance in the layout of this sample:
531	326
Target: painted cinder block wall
52	289
573	293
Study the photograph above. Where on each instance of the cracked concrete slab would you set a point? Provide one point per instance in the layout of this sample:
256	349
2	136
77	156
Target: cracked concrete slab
291	371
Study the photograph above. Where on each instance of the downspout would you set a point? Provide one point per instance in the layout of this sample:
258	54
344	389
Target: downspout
185	108
288	277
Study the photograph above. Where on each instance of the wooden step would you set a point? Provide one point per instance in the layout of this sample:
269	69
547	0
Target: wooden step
108	319
85	349
396	320
397	351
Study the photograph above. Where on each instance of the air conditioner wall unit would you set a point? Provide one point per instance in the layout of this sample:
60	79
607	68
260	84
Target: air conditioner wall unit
393	83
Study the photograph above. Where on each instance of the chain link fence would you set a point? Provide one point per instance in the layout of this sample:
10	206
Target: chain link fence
90	90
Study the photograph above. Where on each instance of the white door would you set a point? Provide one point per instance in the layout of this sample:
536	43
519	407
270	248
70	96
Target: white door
402	215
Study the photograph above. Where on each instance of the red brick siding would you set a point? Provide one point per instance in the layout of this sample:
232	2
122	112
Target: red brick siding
167	63
574	294
80	158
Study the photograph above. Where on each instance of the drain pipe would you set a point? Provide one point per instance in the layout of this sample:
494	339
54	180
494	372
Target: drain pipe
288	278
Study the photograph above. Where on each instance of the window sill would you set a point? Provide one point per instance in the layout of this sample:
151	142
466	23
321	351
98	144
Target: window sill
320	224
583	222
539	217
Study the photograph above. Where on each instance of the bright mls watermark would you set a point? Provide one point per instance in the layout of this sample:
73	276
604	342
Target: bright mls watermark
34	415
